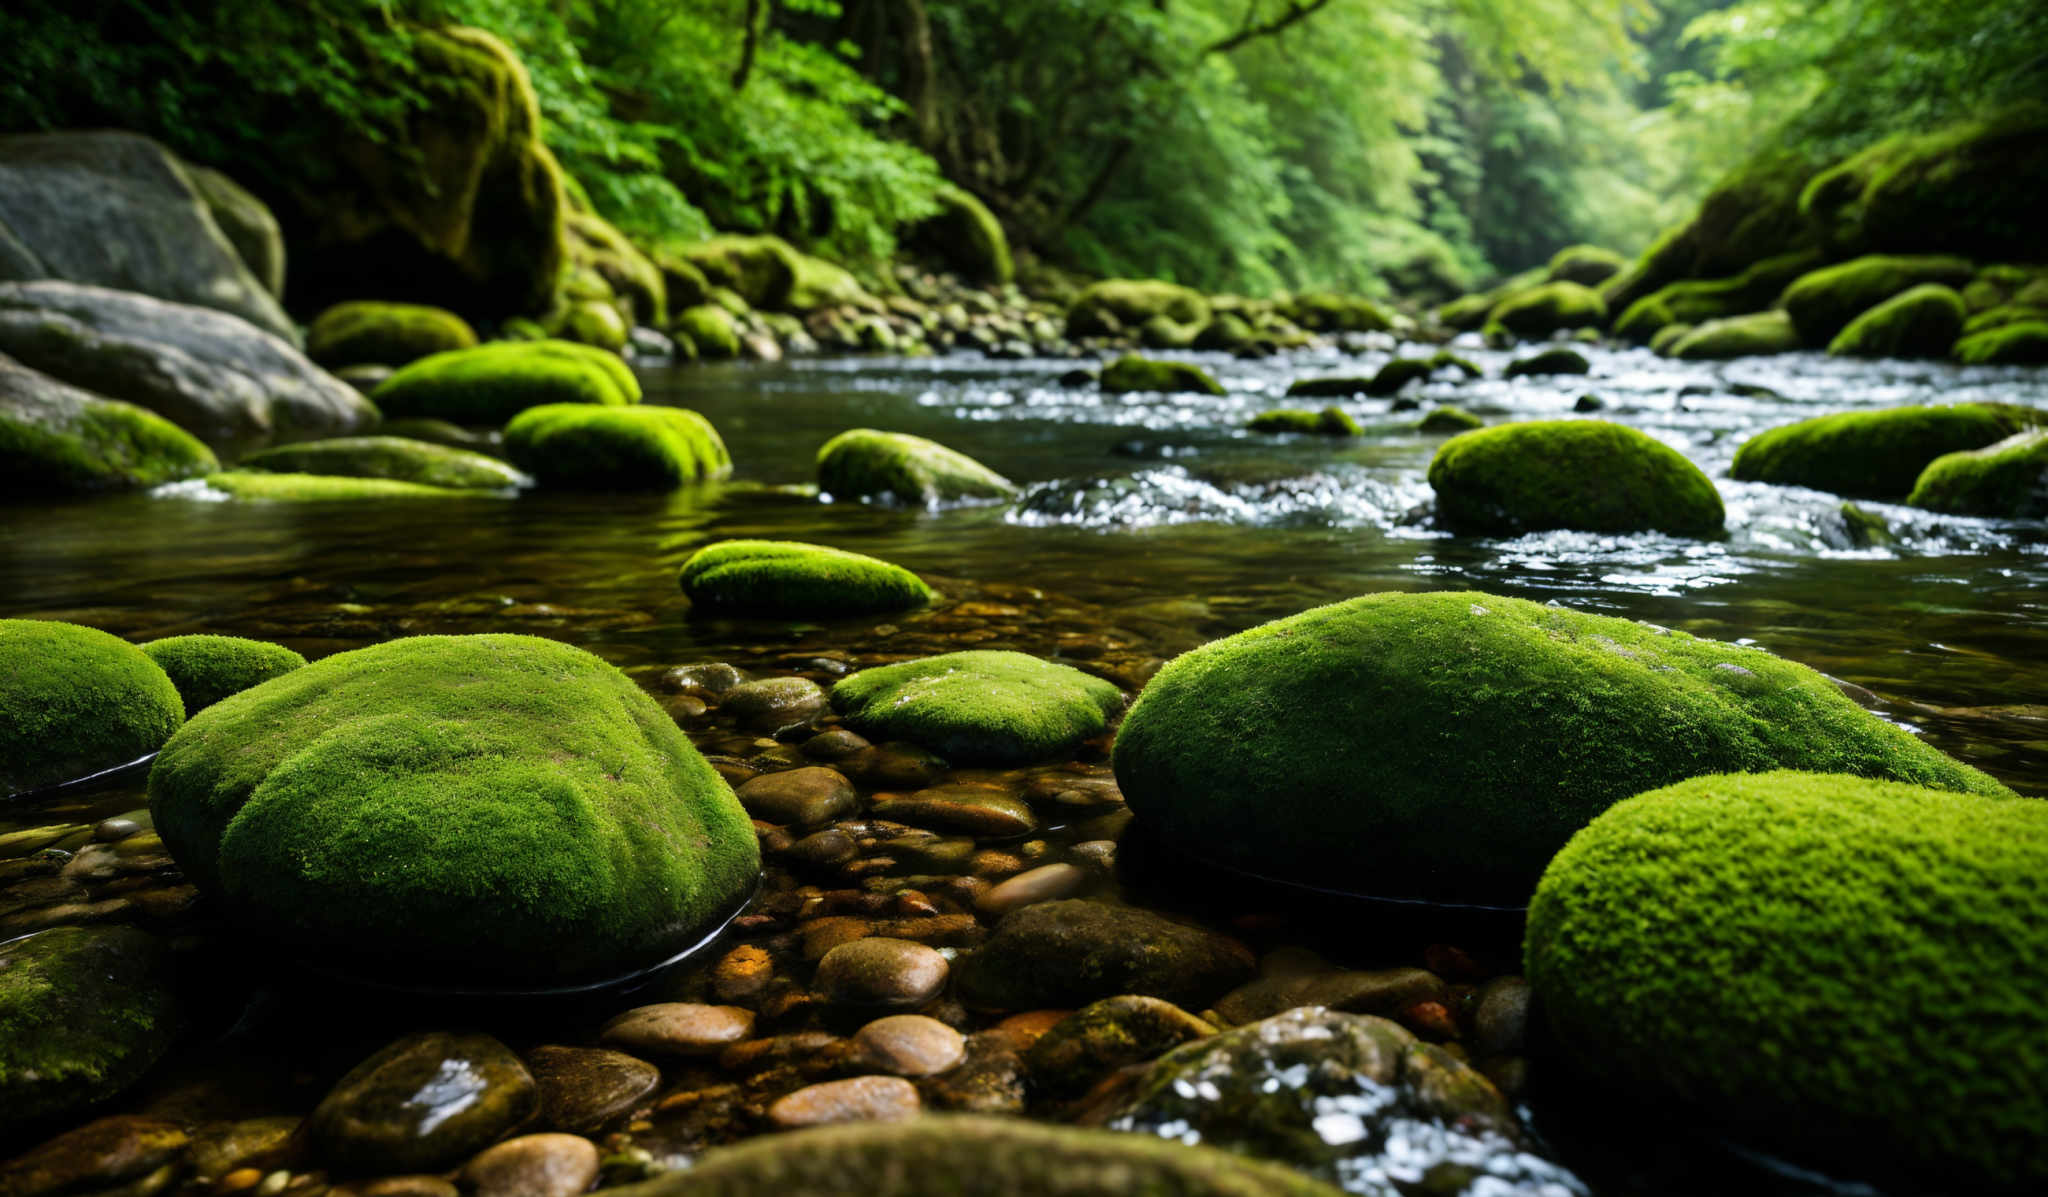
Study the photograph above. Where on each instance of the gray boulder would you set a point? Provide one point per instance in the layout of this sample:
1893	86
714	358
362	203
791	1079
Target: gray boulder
218	377
117	210
57	439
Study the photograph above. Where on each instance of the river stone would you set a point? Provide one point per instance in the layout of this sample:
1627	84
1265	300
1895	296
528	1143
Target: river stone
85	1012
583	1089
1589	475
980	706
804	796
864	463
855	1099
1344	1097
1500	1016
75	701
1070	953
223	380
1105	1036
967	807
373	333
2006	480
424	1103
550	1165
57	439
114	209
880	971
264	1143
95	1157
909	1045
398	458
1876	454
775	702
1375	991
1445	746
1042	884
790	578
678	1029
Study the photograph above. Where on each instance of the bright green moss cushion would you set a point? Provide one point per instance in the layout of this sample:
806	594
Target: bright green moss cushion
1851	969
980	707
785	577
368	332
1444	746
1133	373
1591	475
75	701
492	383
1539	311
468	809
1823	302
84	1012
578	446
207	669
2007	479
864	463
398	458
2020	343
1873	454
1923	321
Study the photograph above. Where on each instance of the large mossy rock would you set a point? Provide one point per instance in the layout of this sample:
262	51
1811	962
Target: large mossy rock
84	1013
1337	311
1920	322
1586	265
1131	373
217	376
1590	475
487	810
117	210
1551	307
207	668
761	269
710	330
371	333
1822	302
1849	969
948	1155
492	383
599	247
1874	454
1120	305
56	439
1444	746
980	706
582	446
1695	301
75	701
1758	334
2008	479
462	209
863	463
1751	215
784	577
966	236
399	458
2023	342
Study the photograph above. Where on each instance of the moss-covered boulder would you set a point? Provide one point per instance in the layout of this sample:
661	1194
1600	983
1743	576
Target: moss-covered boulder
1468	312
1446	745
1131	373
75	701
632	278
710	329
1822	302
56	439
1691	301
980	707
760	269
1331	421
1558	359
1338	387
495	810
965	236
492	383
823	284
84	1013
1759	334
1849	969
1117	305
258	486
1873	454
1448	420
1540	311
366	332
1587	265
1164	332
1591	475
2008	479
1336	311
1665	339
396	457
587	447
1922	321
864	463
593	322
1752	215
206	669
2020	343
784	577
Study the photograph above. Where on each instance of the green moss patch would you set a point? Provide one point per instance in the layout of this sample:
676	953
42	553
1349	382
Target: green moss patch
1331	421
1131	373
1448	420
761	269
1691	301
84	1012
1759	334
401	459
580	446
1851	969
711	331
57	439
1591	475
75	701
369	333
1821	303
2007	479
783	577
206	669
256	486
485	809
492	383
1873	454
864	463
980	707
1540	311
1922	321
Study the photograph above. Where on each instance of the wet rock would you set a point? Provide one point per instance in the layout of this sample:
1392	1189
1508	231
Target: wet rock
1108	1035
985	706
98	1155
583	1089
822	848
804	796
895	765
1500	1016
425	1102
1042	884
533	1166
714	677
909	1045
857	1099
84	1013
877	971
1375	991
967	807
805	1049
775	702
408	1186
250	1143
834	744
743	972
678	1029
1070	953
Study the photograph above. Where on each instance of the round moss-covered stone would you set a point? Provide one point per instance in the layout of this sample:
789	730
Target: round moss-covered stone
75	701
2020	343
1821	303
1133	373
207	669
1849	968
1923	321
1874	454
980	706
399	458
1445	745
2008	479
84	1012
1587	265
863	463
1592	475
1331	421
786	577
1448	420
585	447
492	383
1542	310
1558	359
710	329
367	332
1757	334
471	810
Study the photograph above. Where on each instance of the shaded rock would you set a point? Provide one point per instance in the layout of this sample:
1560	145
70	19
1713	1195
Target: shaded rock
880	971
369	332
398	458
86	1011
1384	991
856	1099
1548	308
1070	953
2008	479
774	702
1133	373
966	807
1875	454
1758	334
966	236
1448	420
1105	1036
1921	322
1556	360
56	439
1331	421
97	1156
1821	303
1042	884
1111	306
246	222
678	1029
801	796
1587	474
423	1103
550	1165
896	467
584	1089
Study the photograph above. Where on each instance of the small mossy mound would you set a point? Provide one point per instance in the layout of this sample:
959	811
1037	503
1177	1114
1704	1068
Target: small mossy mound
1668	337
75	701
399	458
1164	332
864	463
1540	311
1446	745
1396	375
1690	301
1759	334
711	330
1335	311
785	577
580	446
1922	321
1851	969
965	236
1873	454
2003	315
492	383
1444	359
256	486
1448	419
482	810
2021	343
1331	421
206	669
1591	475
1556	360
760	269
370	333
822	284
1131	373
596	246
2008	479
1469	311
980	707
1586	265
1118	305
84	1012
1822	302
57	439
593	322
1329	388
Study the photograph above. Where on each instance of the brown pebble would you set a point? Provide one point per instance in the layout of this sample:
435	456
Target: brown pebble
823	848
858	1099
1041	884
879	971
408	1186
1431	1020
776	1050
550	1165
239	1179
1020	1031
834	744
678	1029
584	1088
98	1155
909	1045
968	807
742	973
1451	963
1500	1016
